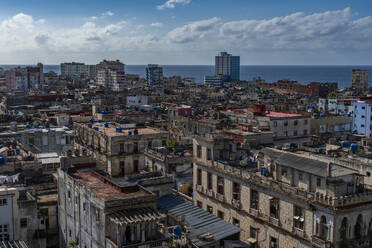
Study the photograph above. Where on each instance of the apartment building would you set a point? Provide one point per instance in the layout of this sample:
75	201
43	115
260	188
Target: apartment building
119	150
285	125
362	118
336	106
359	79
286	200
95	211
74	69
154	75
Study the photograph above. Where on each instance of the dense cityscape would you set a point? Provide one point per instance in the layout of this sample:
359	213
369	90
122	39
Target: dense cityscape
92	156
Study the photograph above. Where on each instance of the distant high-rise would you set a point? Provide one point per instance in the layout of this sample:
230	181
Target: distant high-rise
227	65
154	75
359	79
74	69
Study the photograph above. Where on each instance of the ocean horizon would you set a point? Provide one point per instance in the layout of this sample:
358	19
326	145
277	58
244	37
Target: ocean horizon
304	74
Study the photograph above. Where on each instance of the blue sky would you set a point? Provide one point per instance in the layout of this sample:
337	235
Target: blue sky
186	31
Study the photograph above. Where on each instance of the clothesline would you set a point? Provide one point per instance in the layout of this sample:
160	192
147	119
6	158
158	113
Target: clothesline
9	179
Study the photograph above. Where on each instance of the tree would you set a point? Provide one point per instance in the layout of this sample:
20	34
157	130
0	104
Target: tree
72	244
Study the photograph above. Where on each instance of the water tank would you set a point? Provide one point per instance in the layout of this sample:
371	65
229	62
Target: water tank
96	128
106	125
36	126
182	154
263	171
344	143
18	151
121	121
99	121
315	115
321	116
177	230
28	126
135	132
293	145
118	129
91	120
2	160
1	146
129	132
353	147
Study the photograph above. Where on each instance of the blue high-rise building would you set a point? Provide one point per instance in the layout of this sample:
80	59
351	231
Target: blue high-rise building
227	65
154	75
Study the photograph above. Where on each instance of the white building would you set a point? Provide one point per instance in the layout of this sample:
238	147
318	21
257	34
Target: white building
136	100
336	106
111	79
362	118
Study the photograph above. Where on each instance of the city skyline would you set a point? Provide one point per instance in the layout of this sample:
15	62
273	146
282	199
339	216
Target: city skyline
179	32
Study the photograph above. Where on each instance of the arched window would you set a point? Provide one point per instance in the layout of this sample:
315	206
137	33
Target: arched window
323	228
358	229
343	229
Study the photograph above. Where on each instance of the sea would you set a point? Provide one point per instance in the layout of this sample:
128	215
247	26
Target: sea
304	74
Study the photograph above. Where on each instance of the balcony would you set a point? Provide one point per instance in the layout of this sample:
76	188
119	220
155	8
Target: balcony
298	232
236	203
274	220
254	211
220	197
199	188
318	242
210	193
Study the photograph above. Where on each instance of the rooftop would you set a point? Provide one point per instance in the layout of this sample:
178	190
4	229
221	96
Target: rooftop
276	114
103	188
111	130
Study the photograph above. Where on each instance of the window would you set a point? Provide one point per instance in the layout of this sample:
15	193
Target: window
275	124
220	214
69	233
363	108
236	222
254	199
236	191
149	144
368	174
97	214
273	242
3	202
69	194
199	204
305	131
198	151
84	206
4	232
295	133
163	142
318	181
362	125
363	116
284	172
298	217
135	166
220	185
274	208
135	147
209	180
199	177
295	122
285	123
209	154
305	122
122	168
253	233
209	209
23	222
121	147
300	176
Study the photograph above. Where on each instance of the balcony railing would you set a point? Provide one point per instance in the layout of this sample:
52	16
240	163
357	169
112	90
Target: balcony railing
318	242
253	211
220	197
275	221
298	232
210	193
199	188
236	203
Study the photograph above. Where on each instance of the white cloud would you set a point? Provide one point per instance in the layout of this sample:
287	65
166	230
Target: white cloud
102	16
156	24
193	31
324	36
171	4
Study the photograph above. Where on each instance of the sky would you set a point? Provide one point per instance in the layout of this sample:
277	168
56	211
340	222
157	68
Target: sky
186	32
